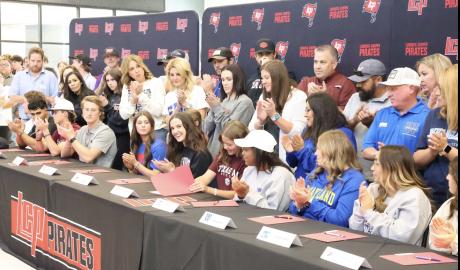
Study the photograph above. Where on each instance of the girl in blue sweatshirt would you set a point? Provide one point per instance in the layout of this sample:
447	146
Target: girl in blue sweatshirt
329	192
322	114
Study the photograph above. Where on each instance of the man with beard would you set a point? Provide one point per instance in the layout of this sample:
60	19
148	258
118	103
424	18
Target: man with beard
365	103
220	58
35	77
111	60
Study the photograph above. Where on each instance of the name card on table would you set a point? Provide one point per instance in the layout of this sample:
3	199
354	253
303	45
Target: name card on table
18	161
124	192
47	170
278	237
217	221
2	156
84	179
167	205
344	259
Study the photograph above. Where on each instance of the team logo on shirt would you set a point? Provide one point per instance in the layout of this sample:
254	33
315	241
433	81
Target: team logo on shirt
339	45
417	5
258	17
236	49
411	129
309	12
185	161
372	7
282	49
214	20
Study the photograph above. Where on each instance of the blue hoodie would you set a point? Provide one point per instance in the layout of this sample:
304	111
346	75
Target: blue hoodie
333	206
305	159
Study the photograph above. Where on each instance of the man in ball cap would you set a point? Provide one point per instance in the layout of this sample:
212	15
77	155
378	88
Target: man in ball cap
83	64
266	181
366	102
402	123
111	60
220	58
178	53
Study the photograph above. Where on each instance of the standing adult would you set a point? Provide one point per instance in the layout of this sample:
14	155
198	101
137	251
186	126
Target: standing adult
220	58
111	61
83	64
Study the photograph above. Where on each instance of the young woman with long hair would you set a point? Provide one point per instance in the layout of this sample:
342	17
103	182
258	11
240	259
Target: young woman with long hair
74	90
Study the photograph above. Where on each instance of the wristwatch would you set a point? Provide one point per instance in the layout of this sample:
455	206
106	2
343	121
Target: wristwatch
446	150
275	117
72	140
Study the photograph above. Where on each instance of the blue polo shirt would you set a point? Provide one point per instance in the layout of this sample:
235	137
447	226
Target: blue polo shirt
218	88
392	128
23	82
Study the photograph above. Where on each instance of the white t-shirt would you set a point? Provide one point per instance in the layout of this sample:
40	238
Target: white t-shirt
5	114
196	100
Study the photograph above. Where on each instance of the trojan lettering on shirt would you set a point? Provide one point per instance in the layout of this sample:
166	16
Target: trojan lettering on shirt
65	241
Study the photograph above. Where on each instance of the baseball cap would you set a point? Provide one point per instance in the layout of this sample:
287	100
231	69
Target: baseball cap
402	76
259	139
111	51
62	104
221	53
173	54
367	69
83	58
265	45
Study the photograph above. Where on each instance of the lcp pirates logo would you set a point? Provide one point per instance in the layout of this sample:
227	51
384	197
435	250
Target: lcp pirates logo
235	48
258	17
372	7
214	20
339	45
309	11
281	49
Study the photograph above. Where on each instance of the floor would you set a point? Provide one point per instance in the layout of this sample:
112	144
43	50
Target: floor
8	262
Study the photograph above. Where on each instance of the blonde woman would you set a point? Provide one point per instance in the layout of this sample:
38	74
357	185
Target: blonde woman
141	92
396	205
429	69
438	142
328	193
182	94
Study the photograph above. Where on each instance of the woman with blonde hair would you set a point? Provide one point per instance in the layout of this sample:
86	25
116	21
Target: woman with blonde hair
429	68
396	205
328	193
182	94
141	92
438	143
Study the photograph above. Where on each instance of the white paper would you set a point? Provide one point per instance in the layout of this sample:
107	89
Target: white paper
48	170
167	205
217	221
123	192
2	156
19	160
84	179
344	259
278	237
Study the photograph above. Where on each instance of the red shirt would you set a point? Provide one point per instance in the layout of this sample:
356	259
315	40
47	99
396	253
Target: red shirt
339	87
225	173
58	138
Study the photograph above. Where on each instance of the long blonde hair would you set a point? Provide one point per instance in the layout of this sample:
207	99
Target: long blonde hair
125	78
338	153
437	62
448	83
183	68
398	173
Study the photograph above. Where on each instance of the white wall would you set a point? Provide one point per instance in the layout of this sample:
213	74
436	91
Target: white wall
181	5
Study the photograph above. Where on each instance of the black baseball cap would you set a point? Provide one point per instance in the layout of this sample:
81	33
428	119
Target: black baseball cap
111	51
178	53
265	45
220	54
83	58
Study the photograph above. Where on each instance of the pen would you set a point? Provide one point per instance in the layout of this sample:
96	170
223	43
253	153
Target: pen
285	217
427	258
333	233
215	203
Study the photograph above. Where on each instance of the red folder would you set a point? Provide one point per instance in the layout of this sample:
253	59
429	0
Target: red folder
174	183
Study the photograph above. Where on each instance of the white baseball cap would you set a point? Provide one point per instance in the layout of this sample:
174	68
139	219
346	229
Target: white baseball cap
259	139
62	104
402	76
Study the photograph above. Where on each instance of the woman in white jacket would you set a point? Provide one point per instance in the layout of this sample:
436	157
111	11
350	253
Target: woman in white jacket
141	92
280	109
396	205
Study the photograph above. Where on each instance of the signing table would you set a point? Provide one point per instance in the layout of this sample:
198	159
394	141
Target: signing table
54	223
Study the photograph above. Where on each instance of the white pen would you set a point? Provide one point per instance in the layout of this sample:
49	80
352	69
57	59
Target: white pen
334	233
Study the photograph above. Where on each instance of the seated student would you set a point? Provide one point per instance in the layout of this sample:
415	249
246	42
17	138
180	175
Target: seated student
228	163
26	133
444	225
266	180
328	193
186	146
95	142
144	146
395	205
63	115
233	104
322	115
